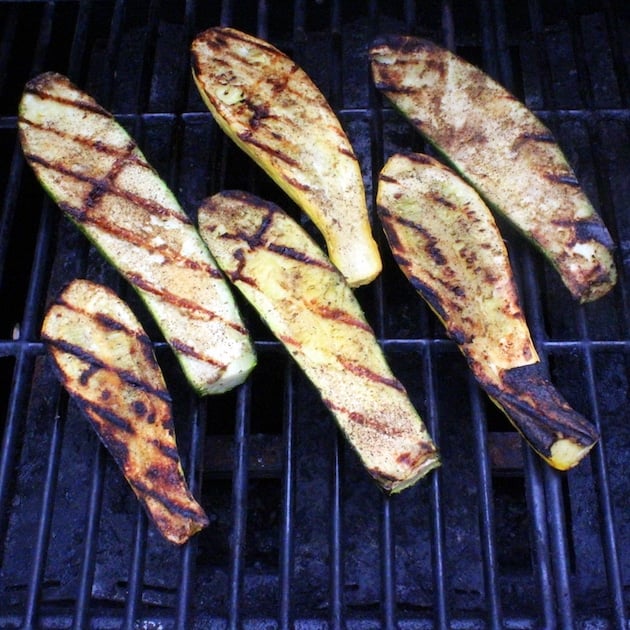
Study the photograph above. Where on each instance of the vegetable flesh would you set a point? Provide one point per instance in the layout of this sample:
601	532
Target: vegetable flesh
106	362
97	175
307	304
273	111
445	240
504	151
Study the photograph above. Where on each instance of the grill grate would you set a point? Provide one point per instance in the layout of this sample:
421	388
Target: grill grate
298	535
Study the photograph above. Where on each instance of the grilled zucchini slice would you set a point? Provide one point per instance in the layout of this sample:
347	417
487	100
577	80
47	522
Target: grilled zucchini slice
273	111
446	242
97	175
105	361
307	304
504	151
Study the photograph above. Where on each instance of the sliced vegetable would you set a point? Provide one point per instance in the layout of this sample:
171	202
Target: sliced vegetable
97	175
445	240
106	362
273	111
504	151
307	304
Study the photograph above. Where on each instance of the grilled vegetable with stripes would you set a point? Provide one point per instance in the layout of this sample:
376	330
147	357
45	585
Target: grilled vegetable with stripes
446	241
105	361
308	305
275	113
504	151
97	175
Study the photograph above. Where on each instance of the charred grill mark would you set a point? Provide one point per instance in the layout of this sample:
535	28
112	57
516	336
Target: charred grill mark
139	408
388	180
247	138
172	506
96	364
562	178
383	428
439	199
363	372
105	186
528	136
430	296
348	153
106	321
109	436
290	341
170	255
431	247
394	87
300	256
193	308
166	449
296	183
106	414
237	274
419	158
184	348
87	374
39	87
128	152
586	231
259	113
339	315
109	323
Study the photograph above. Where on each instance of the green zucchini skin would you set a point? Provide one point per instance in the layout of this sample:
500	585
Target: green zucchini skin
312	310
504	151
276	114
445	240
99	178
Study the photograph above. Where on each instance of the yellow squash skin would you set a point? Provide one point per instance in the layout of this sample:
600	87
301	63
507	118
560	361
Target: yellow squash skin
307	304
275	113
99	178
503	151
445	240
106	362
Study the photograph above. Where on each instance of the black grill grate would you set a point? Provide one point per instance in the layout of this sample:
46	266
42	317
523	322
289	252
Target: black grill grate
299	537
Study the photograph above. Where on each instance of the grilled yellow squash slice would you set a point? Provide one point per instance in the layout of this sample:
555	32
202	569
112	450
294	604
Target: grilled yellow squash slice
97	175
307	304
106	362
273	111
504	151
445	240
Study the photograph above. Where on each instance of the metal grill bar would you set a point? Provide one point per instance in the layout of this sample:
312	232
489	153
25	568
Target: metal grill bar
239	506
93	513
486	516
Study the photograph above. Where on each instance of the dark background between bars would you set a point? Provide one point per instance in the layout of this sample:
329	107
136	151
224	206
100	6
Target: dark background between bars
298	535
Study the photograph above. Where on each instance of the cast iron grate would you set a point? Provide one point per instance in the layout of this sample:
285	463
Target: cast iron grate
298	536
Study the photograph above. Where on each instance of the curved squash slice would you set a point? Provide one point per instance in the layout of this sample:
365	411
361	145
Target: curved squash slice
307	304
273	111
503	151
97	175
106	362
446	241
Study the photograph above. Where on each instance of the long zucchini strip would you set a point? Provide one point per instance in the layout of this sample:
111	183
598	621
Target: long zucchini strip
503	150
105	360
445	240
99	178
308	306
274	112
